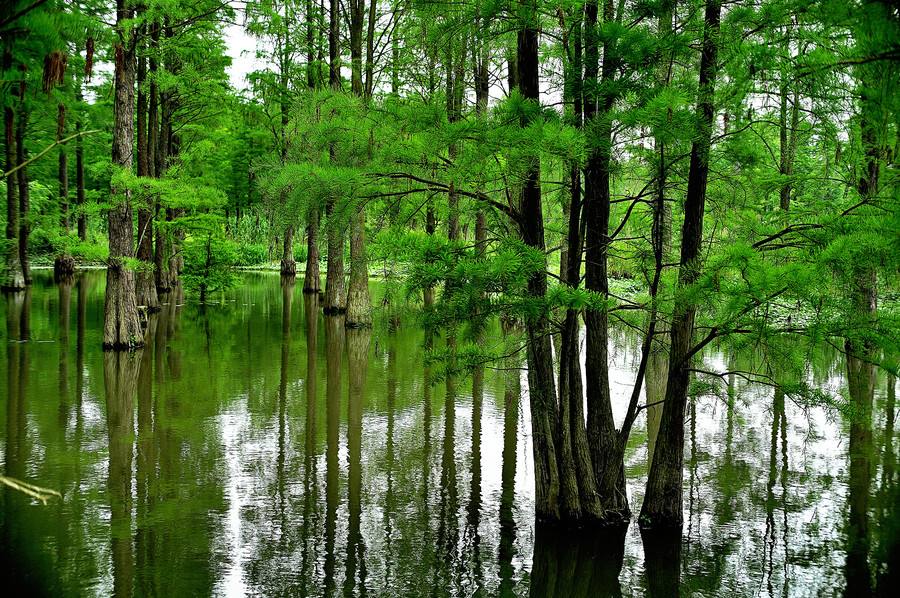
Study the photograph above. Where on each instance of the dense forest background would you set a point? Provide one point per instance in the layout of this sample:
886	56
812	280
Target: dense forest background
700	171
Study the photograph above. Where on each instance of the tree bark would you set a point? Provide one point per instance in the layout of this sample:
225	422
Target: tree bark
22	180
370	50
359	306
335	301
359	309
787	135
658	364
542	391
13	280
312	67
663	498
79	168
601	429
162	244
145	278
334	40
122	328
64	264
288	265
62	169
311	282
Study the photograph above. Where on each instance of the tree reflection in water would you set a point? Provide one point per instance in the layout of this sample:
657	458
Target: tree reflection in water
192	467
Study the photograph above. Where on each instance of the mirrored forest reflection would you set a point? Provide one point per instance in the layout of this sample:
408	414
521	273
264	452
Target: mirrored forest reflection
260	447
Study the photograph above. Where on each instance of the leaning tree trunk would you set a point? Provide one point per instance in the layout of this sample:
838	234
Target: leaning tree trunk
663	499
122	327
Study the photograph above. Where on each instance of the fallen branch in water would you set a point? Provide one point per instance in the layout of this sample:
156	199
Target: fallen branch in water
42	494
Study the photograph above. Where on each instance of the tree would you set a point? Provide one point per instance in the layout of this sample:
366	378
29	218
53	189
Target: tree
122	328
662	502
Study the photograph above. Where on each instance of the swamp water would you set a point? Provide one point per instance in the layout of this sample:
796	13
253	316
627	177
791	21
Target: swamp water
256	447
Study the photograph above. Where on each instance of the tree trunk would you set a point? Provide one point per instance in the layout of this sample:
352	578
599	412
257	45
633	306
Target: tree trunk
359	306
335	301
430	228
63	170
162	248
601	429
334	278
14	280
357	16
334	40
658	364
370	50
79	167
311	282
288	265
663	498
312	68
145	278
22	179
787	137
64	264
542	392
122	328
577	480
358	303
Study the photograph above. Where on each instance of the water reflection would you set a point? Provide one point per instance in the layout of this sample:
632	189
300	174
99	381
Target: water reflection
310	460
507	544
213	462
357	364
334	347
583	564
861	386
662	563
120	372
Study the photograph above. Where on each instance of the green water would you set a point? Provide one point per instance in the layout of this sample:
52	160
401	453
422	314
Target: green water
256	447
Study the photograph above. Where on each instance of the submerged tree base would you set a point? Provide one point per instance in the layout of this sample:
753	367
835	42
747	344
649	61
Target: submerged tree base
288	268
661	522
63	267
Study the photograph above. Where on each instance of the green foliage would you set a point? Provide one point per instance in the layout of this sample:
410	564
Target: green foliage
208	261
248	254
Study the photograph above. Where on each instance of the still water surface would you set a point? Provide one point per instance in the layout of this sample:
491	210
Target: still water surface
256	447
